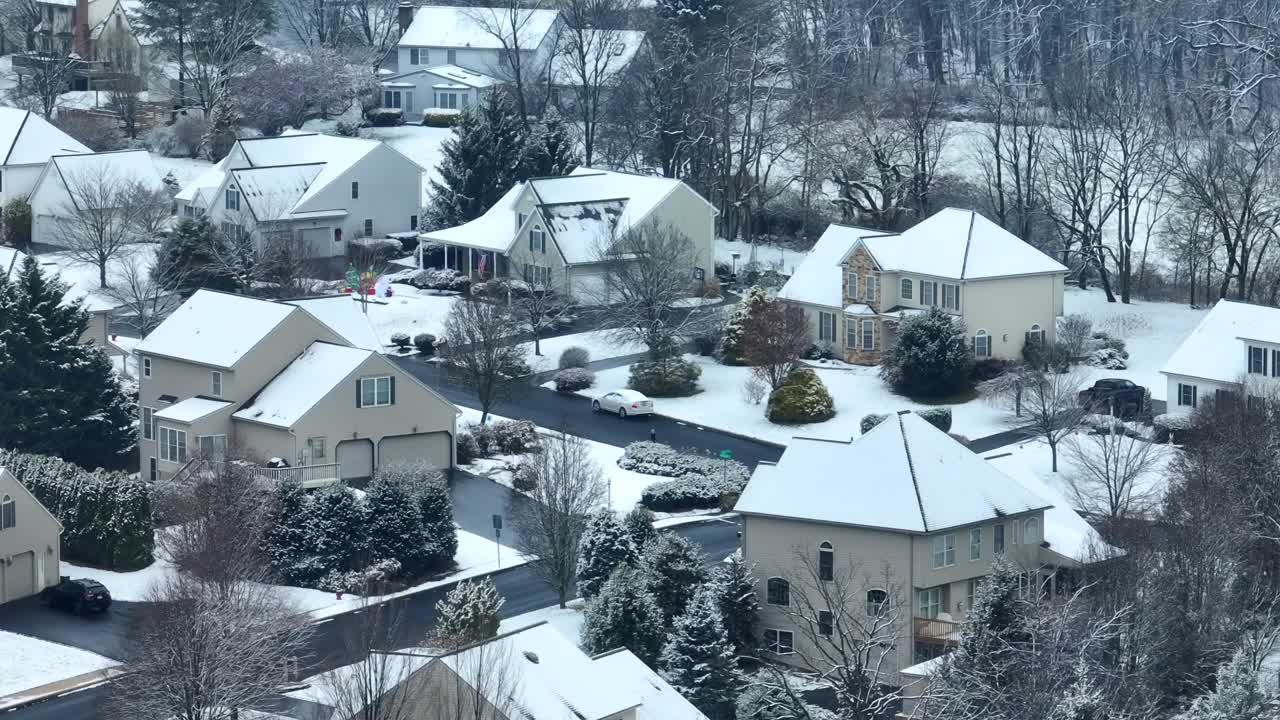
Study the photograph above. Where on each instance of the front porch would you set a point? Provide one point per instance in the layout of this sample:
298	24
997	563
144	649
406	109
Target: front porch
479	265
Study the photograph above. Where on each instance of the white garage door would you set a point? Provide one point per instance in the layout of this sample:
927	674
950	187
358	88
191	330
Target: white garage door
20	577
355	458
320	242
588	288
433	448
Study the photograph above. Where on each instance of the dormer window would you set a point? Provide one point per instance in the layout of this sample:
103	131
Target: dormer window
520	218
1257	360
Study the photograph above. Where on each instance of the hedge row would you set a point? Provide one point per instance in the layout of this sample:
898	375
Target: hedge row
698	481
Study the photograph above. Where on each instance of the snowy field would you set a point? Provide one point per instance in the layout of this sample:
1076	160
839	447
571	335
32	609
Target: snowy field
410	311
27	663
596	342
784	261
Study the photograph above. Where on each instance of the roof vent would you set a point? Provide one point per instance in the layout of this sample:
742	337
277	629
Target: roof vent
531	657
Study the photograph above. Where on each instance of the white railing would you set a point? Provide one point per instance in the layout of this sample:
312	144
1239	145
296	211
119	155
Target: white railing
309	476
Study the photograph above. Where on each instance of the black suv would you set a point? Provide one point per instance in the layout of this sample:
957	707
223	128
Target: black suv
1114	396
79	596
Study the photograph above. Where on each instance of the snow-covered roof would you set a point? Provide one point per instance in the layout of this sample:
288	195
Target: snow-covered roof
858	309
1215	351
961	245
494	230
581	229
552	678
272	192
1067	534
118	167
606	54
904	474
28	139
191	409
11	260
642	193
462	76
207	181
659	701
302	384
215	328
342	314
470	27
926	668
338	154
817	280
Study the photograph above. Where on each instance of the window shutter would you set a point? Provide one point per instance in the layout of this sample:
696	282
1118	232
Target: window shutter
393	389
358	397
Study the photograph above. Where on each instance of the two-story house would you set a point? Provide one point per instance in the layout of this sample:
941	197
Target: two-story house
1234	352
30	541
319	189
1005	292
904	533
551	231
99	34
283	387
27	141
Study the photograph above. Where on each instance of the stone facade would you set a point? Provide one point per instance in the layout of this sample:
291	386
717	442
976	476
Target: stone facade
856	272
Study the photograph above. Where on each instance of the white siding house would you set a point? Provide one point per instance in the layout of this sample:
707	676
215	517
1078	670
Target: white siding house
27	141
1234	351
57	193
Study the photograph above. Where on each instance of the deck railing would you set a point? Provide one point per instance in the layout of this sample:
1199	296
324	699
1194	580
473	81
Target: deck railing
938	631
309	476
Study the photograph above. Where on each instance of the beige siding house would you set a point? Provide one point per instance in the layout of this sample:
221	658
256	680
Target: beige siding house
903	535
30	542
550	231
293	391
1004	291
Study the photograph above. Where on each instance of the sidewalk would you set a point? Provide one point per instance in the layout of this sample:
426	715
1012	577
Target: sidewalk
60	687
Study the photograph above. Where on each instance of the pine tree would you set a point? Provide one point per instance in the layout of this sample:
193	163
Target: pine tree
289	543
551	149
624	615
699	661
483	158
1084	700
468	614
753	302
993	628
604	546
437	519
931	357
187	254
639	525
673	571
338	522
739	608
224	123
395	526
1236	696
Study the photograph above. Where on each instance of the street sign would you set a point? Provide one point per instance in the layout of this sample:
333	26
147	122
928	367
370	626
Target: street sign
726	454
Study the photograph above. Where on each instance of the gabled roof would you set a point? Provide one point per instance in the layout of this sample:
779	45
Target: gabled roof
215	328
606	54
1215	349
581	229
817	280
341	314
659	701
469	27
460	76
904	475
961	245
28	139
1067	534
273	192
304	382
191	409
119	166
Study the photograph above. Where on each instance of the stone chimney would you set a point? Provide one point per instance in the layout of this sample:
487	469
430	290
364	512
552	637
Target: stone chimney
80	31
405	15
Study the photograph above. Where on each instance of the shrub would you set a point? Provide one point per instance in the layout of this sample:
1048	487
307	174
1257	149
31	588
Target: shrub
575	357
1047	356
989	369
1108	358
691	492
400	340
346	128
1102	340
468	448
931	357
674	377
871	420
820	351
386	117
437	119
161	140
17	223
525	477
802	398
653	458
188	131
425	342
1074	332
98	133
574	379
505	437
939	417
1172	421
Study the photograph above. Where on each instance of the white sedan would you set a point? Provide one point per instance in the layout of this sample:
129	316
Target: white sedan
623	402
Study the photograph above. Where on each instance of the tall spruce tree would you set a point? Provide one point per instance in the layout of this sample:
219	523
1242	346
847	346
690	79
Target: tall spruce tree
739	608
699	661
753	303
395	526
624	614
469	613
673	571
339	524
604	546
289	543
438	529
639	524
187	254
483	158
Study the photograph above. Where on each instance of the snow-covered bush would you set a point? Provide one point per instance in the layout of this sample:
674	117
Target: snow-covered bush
161	141
653	458
574	379
699	659
525	477
624	615
434	279
505	437
469	613
931	357
820	351
1173	422
468	448
337	581
574	357
1108	358
732	346
939	417
1102	340
690	492
674	377
385	117
346	128
400	340
425	343
870	420
802	398
438	119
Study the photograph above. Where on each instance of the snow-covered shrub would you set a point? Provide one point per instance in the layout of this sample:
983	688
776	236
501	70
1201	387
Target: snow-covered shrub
1108	358
802	398
870	420
162	141
574	379
385	117
425	343
1102	423
1174	421
820	351
337	581
1102	340
939	417
381	572
400	340
469	613
525	477
732	346
654	458
674	377
574	357
989	369
438	119
505	437
346	128
189	131
624	615
690	492
931	357
468	448
395	523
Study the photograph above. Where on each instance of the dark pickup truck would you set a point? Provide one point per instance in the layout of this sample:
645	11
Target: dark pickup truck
1114	396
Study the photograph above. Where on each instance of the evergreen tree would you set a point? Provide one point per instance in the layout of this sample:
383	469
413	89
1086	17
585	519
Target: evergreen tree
551	149
289	543
1084	700
639	524
1236	696
17	225
469	613
224	124
187	254
623	614
731	347
604	546
339	524
395	526
437	519
739	608
931	357
699	661
483	158
978	671
673	572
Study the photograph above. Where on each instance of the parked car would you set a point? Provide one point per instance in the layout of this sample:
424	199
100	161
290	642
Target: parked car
623	402
78	596
1114	396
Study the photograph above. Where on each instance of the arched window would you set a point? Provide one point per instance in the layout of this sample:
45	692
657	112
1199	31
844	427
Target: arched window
1036	334
1031	531
826	561
8	513
778	591
904	289
981	344
877	601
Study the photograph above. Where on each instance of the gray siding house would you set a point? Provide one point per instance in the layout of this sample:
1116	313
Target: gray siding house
293	392
30	542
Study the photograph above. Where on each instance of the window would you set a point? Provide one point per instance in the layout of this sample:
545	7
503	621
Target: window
368	227
981	344
975	544
391	98
419	56
778	591
927	292
851	334
1275	363
173	445
1035	335
1257	360
188	211
904	288
930	602
451	57
355	190
148	423
537	240
868	334
825	622
520	218
537	275
779	642
413	222
146	367
8	513
447	100
376	391
997	539
872	284
826	561
233	199
213	447
827	326
944	550
951	297
1186	395
877	600
853	285
215	383
971	593
316	450
232	231
1031	531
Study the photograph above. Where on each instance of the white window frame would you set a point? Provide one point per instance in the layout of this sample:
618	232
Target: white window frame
905	289
950	297
1037	332
981	344
826	326
317	441
853	285
146	367
851	328
872	284
1031	530
369	390
148	417
944	551
928	293
538	275
975	544
998	539
1261	360
768	598
537	239
1183	389
8	513
874	608
355	189
829	550
929	602
177	439
830	623
232	198
215	383
773	641
868	334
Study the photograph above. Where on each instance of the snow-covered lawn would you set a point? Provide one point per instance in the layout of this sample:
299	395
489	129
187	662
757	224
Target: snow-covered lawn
780	259
410	311
596	342
27	663
82	278
184	170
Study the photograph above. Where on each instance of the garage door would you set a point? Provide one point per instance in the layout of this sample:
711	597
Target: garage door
319	242
20	577
433	448
355	458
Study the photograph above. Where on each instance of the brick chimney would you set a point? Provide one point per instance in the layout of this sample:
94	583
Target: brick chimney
405	15
80	33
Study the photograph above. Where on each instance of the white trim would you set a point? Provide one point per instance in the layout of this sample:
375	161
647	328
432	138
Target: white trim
215	383
769	647
181	448
944	550
374	394
975	533
770	579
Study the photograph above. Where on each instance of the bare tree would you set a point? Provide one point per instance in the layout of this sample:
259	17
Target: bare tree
378	687
774	338
101	218
510	23
143	292
1043	403
482	349
43	78
538	307
591	57
568	486
1109	472
1009	154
